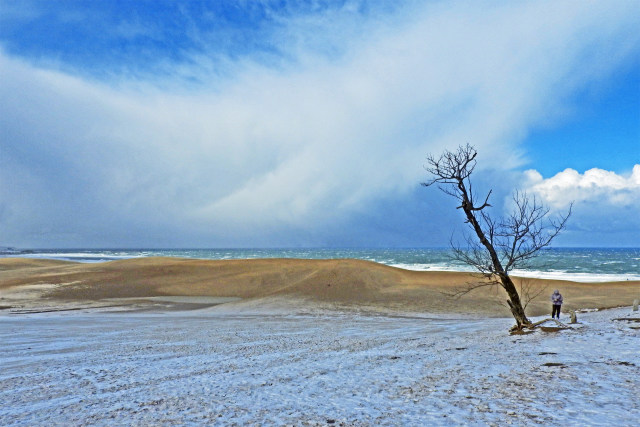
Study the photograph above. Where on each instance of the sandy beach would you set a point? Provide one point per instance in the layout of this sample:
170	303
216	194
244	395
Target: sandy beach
289	284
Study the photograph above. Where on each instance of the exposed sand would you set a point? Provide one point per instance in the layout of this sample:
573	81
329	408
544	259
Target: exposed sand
43	285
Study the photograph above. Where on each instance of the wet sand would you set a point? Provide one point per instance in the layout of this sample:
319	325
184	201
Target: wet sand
29	285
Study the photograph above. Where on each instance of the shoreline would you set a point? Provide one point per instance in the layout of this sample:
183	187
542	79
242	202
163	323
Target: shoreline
285	284
571	264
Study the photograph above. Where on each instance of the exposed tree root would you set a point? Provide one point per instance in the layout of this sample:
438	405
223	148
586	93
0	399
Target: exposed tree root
533	326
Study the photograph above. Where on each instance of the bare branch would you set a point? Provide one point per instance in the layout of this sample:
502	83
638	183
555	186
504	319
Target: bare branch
451	167
469	287
484	205
527	231
530	290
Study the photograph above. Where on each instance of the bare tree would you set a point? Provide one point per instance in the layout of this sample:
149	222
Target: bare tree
500	244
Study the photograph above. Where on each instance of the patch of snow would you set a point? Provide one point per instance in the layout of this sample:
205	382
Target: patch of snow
213	368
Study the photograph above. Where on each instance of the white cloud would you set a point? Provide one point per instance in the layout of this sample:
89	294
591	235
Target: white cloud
305	145
596	187
605	204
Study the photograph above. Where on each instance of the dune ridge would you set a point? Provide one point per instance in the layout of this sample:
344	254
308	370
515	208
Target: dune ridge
339	283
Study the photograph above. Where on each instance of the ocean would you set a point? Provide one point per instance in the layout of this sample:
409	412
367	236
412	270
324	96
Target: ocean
578	264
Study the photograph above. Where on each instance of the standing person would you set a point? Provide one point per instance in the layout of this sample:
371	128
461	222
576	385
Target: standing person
556	300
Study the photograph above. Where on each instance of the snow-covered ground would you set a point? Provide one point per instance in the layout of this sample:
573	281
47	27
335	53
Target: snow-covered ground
207	368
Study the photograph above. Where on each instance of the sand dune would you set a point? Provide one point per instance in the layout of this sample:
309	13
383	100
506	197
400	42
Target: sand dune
333	283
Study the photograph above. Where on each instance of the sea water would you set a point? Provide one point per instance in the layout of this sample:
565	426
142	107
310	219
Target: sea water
579	264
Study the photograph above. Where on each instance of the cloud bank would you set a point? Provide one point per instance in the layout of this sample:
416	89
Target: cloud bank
291	152
595	186
605	204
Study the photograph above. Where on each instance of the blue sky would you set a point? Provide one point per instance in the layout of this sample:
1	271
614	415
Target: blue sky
602	130
283	123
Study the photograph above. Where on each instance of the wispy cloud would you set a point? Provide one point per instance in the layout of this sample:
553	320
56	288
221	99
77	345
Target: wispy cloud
296	146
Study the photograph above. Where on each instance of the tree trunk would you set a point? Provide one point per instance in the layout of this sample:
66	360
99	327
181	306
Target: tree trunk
514	302
514	299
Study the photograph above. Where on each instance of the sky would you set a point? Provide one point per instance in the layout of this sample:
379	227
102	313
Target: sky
166	124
